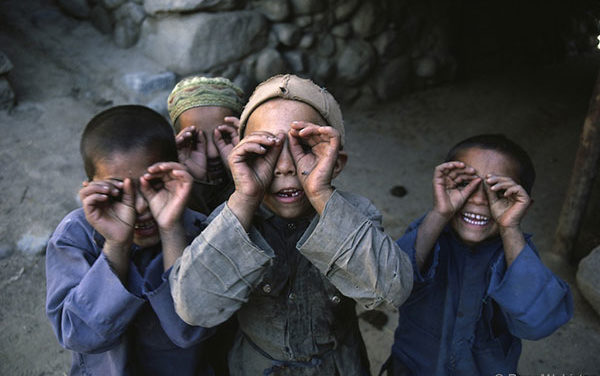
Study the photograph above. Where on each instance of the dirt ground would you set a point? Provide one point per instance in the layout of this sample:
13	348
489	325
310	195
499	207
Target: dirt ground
64	72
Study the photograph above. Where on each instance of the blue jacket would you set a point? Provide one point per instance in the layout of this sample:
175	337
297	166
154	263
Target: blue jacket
467	313
113	329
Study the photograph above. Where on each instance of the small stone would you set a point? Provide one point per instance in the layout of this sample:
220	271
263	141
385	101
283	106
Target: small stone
269	63
126	33
303	21
345	9
295	60
132	11
112	4
245	83
425	67
303	7
355	62
287	34
101	19
5	63
369	20
342	31
307	41
326	45
274	10
33	244
398	191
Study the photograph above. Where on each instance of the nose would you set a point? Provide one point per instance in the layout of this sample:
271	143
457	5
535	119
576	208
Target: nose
211	149
479	196
141	206
285	163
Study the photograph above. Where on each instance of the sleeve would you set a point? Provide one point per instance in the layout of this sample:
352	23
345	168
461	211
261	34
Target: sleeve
533	300
407	244
217	272
356	255
87	305
157	290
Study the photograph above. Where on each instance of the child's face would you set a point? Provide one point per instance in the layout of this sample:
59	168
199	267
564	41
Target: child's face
207	119
474	223
285	196
133	164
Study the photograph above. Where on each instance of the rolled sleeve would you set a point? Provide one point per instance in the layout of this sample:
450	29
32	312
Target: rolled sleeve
217	272
407	244
349	247
534	301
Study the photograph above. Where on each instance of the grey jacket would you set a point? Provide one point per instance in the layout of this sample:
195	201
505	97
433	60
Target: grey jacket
296	310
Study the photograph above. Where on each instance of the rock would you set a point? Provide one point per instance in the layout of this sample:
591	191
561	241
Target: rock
175	6
5	250
145	83
326	45
101	19
355	62
393	78
159	103
390	44
304	7
33	244
198	42
75	8
588	278
7	96
321	69
132	11
342	30
245	83
269	63
425	67
369	20
5	63
303	21
344	9
306	41
295	60
126	33
274	10
288	34
112	4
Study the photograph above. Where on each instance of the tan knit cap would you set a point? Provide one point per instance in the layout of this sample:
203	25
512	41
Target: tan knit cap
198	91
298	89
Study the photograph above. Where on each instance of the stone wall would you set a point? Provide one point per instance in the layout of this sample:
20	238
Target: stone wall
358	49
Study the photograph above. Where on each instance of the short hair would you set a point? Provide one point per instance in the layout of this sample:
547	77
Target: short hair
125	128
502	144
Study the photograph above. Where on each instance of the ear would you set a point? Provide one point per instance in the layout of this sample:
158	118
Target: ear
340	163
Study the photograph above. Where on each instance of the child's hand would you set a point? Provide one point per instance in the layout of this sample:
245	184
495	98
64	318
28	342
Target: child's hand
191	150
315	152
252	163
109	206
166	187
226	136
508	200
453	183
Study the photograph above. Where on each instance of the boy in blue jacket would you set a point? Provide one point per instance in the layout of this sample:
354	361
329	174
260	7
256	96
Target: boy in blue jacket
479	285
107	264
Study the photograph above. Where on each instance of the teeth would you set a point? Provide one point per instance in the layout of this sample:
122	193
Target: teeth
475	219
290	192
144	225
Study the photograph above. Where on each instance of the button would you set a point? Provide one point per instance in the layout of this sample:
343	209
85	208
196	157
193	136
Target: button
292	296
267	288
335	299
291	226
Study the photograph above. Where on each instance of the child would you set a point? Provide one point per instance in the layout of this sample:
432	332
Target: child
479	284
108	295
288	253
204	114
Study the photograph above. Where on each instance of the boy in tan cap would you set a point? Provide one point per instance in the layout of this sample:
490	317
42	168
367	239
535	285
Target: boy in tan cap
204	112
289	253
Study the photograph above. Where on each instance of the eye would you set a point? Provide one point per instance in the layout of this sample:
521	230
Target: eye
462	184
157	184
500	193
305	147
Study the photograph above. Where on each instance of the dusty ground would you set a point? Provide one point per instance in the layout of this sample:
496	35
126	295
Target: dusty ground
64	73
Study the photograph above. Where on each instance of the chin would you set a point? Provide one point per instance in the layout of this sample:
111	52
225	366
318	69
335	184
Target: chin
471	236
147	241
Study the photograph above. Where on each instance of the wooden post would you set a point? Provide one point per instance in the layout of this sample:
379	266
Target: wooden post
582	180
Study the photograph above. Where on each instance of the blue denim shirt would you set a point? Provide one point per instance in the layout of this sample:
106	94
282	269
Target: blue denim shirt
293	285
467	312
114	329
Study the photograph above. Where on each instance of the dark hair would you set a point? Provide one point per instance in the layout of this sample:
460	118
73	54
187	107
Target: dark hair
501	144
125	128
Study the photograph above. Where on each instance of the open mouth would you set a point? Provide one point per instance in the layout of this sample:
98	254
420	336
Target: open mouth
145	228
289	194
475	219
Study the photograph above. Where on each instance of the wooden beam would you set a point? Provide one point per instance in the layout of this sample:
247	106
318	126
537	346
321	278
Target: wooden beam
582	180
